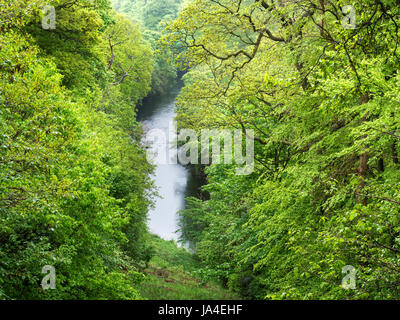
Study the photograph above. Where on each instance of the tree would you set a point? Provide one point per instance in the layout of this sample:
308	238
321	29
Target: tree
75	184
321	99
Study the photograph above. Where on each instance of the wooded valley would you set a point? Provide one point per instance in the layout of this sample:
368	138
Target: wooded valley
318	83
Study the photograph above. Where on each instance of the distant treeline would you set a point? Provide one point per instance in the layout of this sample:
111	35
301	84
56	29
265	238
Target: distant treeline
152	15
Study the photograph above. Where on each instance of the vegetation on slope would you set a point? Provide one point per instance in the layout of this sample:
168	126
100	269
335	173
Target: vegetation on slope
321	92
172	274
75	183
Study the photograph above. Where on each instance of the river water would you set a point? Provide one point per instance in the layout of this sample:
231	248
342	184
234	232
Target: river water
173	181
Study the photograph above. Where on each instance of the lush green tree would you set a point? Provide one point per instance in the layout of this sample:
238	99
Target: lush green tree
75	184
152	15
322	99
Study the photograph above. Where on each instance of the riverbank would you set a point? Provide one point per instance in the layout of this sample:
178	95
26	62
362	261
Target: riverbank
173	274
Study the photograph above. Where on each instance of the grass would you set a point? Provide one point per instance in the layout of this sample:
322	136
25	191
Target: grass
168	276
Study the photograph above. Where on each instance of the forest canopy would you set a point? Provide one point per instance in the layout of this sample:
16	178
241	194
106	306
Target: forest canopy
318	83
75	183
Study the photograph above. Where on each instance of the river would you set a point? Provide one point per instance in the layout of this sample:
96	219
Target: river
173	181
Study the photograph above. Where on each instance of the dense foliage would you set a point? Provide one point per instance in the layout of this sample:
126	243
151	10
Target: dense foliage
322	96
319	88
74	181
152	15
